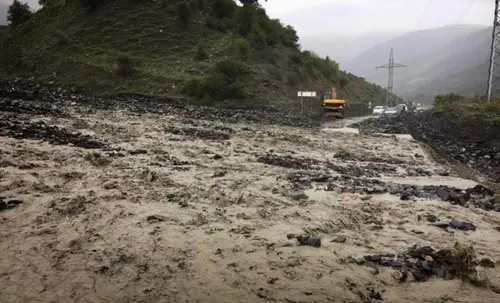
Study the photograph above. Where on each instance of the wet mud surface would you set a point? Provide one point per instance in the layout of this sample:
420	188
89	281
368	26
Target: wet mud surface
476	146
131	205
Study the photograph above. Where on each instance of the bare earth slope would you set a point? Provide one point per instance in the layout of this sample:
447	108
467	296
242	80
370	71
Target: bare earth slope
172	209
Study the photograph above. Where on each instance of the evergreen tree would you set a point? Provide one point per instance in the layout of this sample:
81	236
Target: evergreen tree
18	13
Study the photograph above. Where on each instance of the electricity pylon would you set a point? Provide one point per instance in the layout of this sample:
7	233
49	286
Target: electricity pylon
391	66
495	53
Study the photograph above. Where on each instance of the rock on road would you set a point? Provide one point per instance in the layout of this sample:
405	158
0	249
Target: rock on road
172	209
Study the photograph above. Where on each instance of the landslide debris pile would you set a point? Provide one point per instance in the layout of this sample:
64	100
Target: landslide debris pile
27	97
421	263
10	126
477	146
362	180
384	125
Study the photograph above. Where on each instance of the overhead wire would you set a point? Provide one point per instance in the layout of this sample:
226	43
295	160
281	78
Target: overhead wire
463	14
418	24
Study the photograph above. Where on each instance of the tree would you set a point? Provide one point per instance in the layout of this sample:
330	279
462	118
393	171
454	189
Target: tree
184	14
250	2
343	82
18	13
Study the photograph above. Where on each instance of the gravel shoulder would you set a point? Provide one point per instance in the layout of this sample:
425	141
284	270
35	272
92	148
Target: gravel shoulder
130	206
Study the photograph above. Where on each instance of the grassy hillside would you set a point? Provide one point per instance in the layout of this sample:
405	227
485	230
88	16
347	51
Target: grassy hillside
222	51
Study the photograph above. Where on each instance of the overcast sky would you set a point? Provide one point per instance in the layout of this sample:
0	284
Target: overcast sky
316	17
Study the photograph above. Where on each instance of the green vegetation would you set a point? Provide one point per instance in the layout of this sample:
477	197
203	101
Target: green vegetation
444	100
207	49
18	13
472	110
201	53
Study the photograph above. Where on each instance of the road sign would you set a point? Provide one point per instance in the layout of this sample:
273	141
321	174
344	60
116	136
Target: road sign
306	94
370	104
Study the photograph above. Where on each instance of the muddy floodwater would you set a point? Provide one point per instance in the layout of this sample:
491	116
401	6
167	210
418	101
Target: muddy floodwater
175	209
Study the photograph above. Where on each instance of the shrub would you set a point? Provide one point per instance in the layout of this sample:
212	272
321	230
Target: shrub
242	47
124	66
232	69
245	20
184	14
227	81
293	79
443	100
18	13
224	8
221	25
296	59
194	86
343	82
201	54
276	72
257	37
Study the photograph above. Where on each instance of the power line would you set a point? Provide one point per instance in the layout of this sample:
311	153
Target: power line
423	15
416	26
463	14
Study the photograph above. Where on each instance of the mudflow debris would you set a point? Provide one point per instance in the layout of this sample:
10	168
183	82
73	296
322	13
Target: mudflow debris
134	193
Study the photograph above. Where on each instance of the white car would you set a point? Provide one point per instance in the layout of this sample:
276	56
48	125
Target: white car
391	111
378	110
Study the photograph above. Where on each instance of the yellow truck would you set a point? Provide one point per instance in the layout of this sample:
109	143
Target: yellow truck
331	106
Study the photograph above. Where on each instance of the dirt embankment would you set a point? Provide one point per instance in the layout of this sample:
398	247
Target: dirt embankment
129	201
474	143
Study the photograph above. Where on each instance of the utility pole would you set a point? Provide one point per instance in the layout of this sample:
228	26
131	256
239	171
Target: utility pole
391	66
495	52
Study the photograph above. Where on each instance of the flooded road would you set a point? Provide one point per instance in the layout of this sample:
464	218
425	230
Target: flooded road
183	210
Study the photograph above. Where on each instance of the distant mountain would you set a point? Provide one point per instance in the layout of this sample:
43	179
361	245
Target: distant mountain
343	48
439	61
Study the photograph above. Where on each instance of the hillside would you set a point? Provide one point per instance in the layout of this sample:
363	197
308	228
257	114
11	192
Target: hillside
434	58
464	70
223	51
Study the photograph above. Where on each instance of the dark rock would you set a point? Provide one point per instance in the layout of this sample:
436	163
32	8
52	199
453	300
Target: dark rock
405	196
7	204
443	194
340	239
138	152
288	161
485	262
440	224
309	240
156	218
12	126
298	195
421	263
461	225
218	174
441	172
